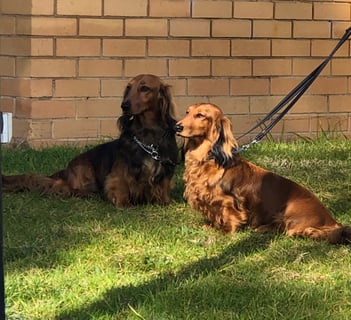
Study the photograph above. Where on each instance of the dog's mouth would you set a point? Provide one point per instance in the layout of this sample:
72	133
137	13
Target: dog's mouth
187	135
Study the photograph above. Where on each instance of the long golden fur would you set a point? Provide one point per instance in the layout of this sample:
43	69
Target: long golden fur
135	168
232	192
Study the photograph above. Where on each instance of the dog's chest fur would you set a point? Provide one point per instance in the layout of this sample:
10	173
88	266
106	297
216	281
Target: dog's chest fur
201	178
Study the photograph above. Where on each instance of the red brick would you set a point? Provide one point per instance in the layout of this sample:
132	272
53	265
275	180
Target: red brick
78	7
146	27
329	123
43	7
212	9
108	128
332	11
311	29
41	88
231	67
42	47
250	48
45	68
340	103
253	10
15	7
290	48
124	47
231	28
170	8
15	46
7	104
232	105
268	67
190	28
208	87
77	88
326	85
169	47
323	48
101	27
20	128
41	130
26	87
73	129
341	67
178	86
78	47
272	29
52	109
263	104
244	86
112	88
47	26
311	104
189	67
306	104
303	67
293	124
210	47
100	68
339	28
293	10
136	8
282	85
98	108
242	123
23	108
7	66
7	25
136	66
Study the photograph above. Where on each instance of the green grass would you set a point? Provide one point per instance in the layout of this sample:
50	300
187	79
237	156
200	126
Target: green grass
84	259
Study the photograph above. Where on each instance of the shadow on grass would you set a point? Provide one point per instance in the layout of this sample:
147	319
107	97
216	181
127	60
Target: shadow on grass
41	229
221	283
117	300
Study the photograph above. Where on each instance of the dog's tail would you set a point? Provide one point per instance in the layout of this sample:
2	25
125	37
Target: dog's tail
33	182
340	235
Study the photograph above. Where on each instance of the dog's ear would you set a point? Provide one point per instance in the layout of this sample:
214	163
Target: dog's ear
223	151
227	133
167	105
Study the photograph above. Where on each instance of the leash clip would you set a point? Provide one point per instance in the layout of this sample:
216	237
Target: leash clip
154	153
149	149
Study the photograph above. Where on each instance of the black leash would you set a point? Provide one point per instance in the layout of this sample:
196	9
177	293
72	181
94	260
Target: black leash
292	97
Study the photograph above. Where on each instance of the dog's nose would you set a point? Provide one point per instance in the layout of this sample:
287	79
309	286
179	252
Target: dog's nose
178	128
126	105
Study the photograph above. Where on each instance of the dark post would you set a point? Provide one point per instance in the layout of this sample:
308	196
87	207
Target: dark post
2	282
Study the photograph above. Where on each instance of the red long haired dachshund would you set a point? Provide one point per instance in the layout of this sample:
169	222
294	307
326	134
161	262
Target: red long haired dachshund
133	169
232	192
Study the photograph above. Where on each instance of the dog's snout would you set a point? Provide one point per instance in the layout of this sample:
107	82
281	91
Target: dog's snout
126	105
178	127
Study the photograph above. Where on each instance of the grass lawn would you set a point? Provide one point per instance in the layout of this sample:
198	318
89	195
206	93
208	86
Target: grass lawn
84	259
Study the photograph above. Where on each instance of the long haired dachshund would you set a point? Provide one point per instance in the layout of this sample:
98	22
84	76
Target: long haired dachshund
136	168
232	192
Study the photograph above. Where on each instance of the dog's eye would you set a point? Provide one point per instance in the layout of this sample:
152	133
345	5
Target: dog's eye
199	115
144	89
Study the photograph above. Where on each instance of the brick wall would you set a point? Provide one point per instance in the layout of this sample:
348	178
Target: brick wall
64	63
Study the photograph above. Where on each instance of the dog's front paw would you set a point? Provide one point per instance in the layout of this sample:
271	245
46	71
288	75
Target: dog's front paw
118	201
